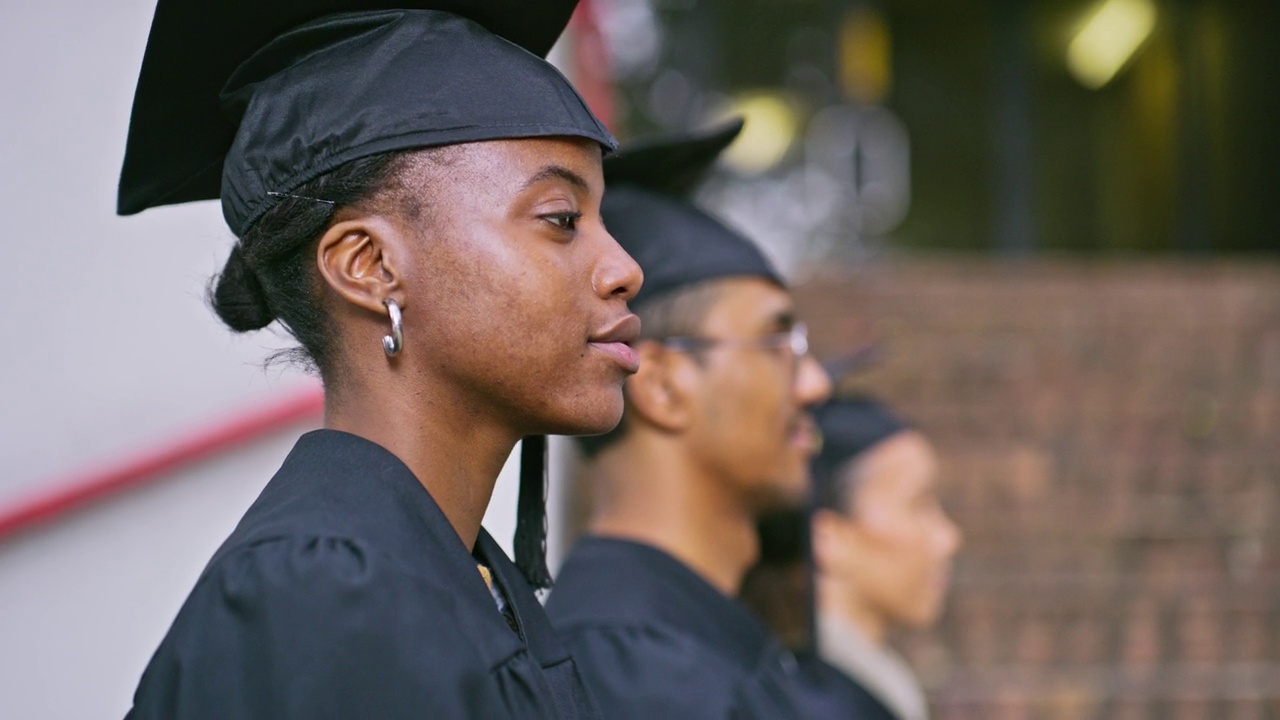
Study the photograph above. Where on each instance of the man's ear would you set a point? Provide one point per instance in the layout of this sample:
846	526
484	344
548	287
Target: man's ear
357	260
661	393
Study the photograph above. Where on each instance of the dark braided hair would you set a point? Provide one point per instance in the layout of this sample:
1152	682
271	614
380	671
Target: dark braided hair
271	273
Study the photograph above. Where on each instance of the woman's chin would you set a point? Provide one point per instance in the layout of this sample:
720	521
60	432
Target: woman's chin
594	418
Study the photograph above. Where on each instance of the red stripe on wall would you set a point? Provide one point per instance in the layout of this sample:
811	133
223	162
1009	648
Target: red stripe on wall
592	69
82	489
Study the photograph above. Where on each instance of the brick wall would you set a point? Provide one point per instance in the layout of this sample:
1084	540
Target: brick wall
1110	437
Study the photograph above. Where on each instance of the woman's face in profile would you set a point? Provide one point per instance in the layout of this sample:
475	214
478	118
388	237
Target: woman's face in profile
516	293
898	541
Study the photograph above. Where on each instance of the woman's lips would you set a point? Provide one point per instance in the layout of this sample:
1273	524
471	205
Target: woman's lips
615	341
622	353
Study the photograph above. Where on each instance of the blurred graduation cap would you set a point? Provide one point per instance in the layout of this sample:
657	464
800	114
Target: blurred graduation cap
850	426
247	100
649	210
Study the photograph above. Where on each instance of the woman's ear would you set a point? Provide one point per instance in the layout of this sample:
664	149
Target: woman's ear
357	260
659	394
828	536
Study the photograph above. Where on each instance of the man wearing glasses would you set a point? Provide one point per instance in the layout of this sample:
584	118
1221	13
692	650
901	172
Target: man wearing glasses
716	432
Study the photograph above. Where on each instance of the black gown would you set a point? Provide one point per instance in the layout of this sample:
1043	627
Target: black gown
655	640
826	692
345	593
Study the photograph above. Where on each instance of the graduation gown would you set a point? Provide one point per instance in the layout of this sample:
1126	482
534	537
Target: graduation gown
345	593
655	640
826	692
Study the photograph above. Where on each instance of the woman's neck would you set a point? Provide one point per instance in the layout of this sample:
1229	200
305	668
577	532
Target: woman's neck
838	599
453	452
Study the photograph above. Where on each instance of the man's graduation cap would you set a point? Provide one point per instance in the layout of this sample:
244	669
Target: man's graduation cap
247	100
647	208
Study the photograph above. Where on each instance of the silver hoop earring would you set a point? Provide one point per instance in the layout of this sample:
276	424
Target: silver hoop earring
393	342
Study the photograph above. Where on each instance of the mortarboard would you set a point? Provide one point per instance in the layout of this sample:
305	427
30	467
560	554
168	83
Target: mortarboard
243	98
246	100
850	426
648	210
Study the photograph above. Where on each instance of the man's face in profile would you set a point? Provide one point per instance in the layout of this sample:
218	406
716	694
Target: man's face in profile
753	427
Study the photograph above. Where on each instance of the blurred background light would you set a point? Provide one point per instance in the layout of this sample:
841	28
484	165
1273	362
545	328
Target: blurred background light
770	129
864	58
1108	40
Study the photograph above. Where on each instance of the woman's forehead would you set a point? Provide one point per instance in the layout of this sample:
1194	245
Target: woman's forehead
512	166
900	465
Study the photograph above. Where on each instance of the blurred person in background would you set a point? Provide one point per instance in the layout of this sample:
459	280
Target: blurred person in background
716	432
416	197
881	553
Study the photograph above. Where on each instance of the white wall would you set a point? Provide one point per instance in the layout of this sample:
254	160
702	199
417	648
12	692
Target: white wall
107	342
83	603
106	347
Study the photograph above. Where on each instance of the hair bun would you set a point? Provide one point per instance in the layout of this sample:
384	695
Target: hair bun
237	296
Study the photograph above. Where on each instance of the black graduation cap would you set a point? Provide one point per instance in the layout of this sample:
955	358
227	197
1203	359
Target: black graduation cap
850	426
239	99
249	99
647	208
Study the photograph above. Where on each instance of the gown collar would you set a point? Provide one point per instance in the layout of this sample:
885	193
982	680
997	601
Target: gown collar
382	502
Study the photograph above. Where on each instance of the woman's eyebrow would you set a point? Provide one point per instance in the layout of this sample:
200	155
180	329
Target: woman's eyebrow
557	172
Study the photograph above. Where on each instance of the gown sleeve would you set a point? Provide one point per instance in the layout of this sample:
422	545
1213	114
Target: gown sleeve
314	628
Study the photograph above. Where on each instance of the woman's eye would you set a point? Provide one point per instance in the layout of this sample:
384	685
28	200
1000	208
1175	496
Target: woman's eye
564	221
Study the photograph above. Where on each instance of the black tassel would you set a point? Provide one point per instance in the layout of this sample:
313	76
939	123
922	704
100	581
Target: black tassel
530	542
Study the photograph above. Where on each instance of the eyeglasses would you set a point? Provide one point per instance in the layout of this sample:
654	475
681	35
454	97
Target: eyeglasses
796	340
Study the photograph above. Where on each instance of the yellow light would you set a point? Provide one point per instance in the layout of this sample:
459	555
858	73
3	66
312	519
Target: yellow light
864	56
1108	39
768	133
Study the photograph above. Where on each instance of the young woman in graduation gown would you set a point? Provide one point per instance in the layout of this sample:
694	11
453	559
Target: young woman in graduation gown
872	554
415	196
